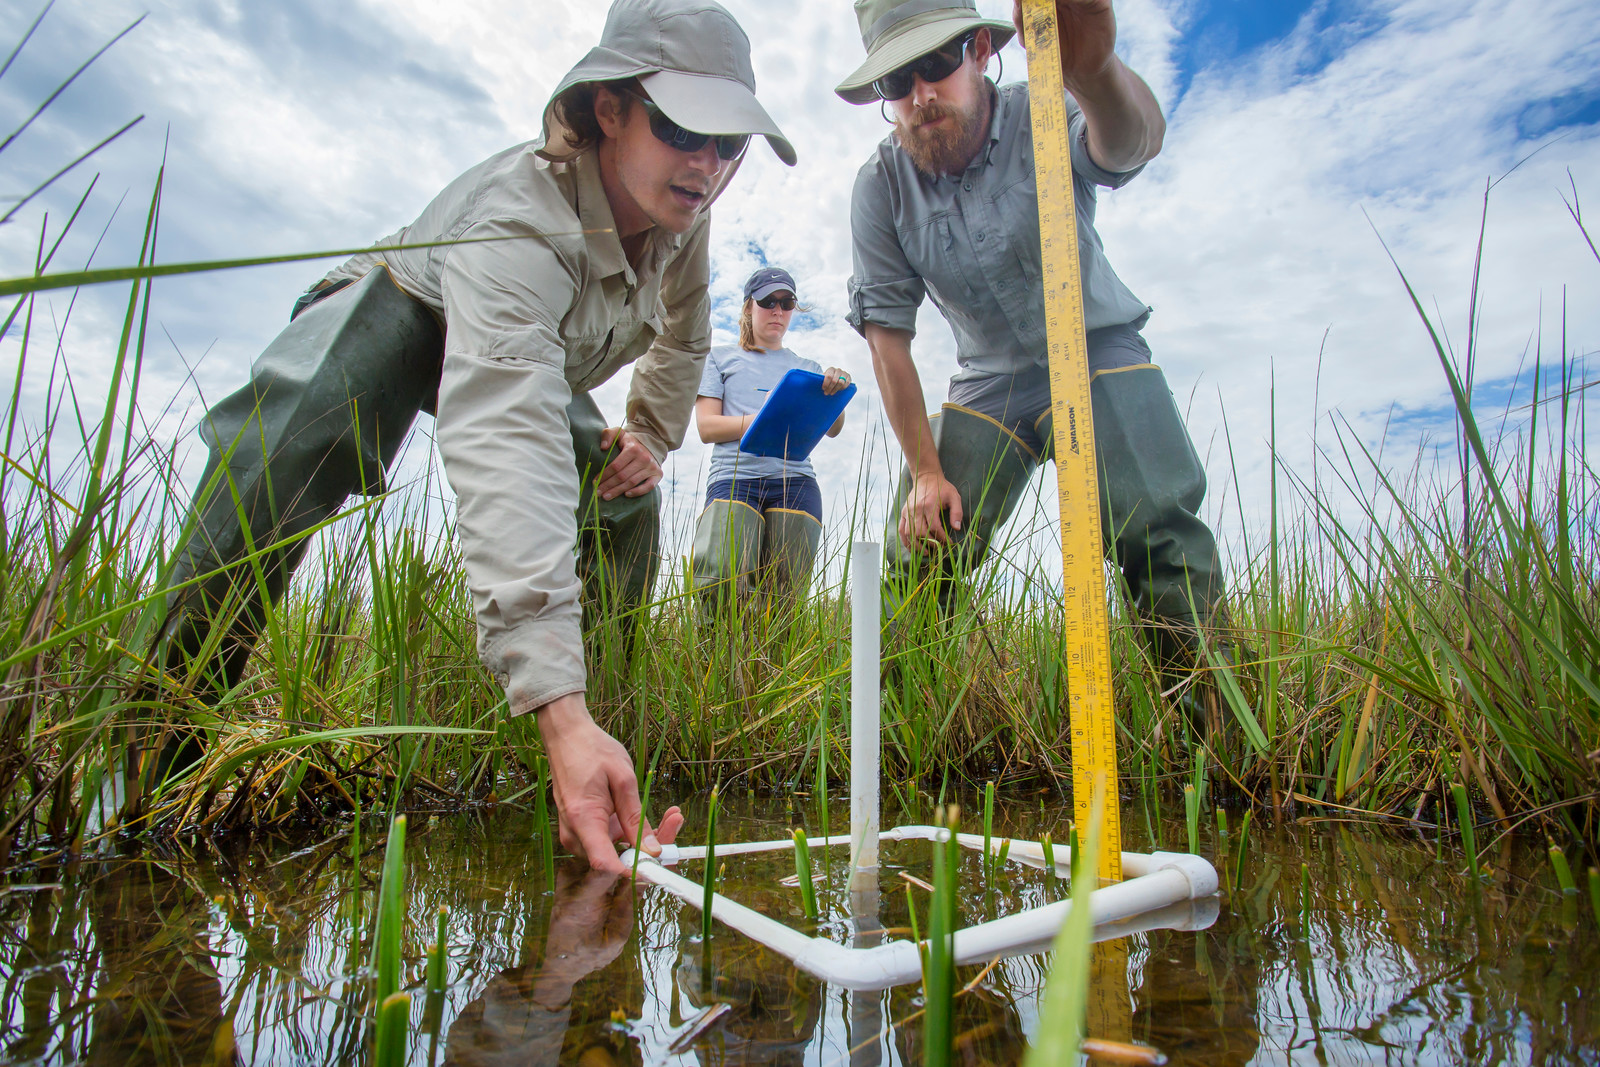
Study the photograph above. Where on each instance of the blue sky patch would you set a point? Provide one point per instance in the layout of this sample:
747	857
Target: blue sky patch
1221	32
1581	107
1500	399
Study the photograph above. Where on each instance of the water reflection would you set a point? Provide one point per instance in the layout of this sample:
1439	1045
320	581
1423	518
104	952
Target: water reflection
158	997
774	1011
257	954
525	1013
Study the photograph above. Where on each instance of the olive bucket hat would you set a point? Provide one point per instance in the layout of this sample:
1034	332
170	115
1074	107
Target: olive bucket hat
895	32
693	59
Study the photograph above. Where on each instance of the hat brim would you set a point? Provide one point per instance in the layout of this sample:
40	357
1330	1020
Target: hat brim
895	50
699	102
707	104
761	292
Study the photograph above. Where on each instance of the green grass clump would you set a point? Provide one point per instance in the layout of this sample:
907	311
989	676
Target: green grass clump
1394	627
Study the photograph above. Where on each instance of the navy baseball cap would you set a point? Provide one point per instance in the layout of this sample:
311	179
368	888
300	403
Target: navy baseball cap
768	280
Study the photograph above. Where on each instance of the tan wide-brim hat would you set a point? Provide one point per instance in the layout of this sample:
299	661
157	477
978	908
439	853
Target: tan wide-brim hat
895	32
691	56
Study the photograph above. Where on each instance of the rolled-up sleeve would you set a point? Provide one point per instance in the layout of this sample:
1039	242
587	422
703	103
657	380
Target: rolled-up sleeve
884	289
507	452
1082	162
666	378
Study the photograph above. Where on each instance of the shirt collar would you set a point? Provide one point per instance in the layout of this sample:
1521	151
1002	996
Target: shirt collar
998	101
605	249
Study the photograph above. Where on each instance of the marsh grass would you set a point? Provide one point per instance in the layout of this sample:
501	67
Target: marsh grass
1431	628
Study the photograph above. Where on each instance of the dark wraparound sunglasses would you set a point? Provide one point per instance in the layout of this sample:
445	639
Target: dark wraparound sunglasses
730	146
776	301
935	66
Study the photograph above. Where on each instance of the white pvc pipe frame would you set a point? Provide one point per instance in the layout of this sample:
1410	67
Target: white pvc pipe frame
1164	890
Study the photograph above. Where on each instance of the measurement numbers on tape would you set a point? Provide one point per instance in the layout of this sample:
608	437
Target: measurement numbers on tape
1087	626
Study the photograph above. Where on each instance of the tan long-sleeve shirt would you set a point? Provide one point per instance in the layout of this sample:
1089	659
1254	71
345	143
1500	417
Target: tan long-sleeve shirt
552	309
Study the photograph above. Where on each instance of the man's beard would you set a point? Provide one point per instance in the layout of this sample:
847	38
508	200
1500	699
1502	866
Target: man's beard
947	149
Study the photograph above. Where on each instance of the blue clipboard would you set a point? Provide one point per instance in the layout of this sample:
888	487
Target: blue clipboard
795	417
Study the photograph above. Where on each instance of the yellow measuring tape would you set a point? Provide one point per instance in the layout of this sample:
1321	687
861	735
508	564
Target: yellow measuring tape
1087	626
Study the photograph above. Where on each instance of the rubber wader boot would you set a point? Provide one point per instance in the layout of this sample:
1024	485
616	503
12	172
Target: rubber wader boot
325	411
1151	486
618	551
727	551
990	468
788	549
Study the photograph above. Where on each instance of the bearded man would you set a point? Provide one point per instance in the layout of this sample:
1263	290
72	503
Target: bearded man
946	207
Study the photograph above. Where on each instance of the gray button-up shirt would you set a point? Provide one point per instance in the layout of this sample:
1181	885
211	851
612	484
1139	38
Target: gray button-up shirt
972	243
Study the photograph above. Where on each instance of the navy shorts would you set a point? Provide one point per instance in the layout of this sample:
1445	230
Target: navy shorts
795	493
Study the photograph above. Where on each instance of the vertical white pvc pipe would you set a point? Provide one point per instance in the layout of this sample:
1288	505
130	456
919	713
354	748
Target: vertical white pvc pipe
864	713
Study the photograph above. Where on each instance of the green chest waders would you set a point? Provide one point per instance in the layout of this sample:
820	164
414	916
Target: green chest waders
788	549
739	551
324	414
990	467
1151	486
726	554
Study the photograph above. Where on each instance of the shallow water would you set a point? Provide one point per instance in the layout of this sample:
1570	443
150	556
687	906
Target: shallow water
256	955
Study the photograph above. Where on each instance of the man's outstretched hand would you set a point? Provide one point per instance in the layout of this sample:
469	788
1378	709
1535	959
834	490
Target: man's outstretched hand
1125	124
597	793
1088	31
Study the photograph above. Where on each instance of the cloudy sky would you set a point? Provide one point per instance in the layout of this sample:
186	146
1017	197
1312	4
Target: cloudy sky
1300	132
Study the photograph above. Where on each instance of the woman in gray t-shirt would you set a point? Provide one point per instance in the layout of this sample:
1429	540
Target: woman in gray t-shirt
762	513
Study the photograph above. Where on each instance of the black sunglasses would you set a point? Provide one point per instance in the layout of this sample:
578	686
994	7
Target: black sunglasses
730	146
935	66
776	301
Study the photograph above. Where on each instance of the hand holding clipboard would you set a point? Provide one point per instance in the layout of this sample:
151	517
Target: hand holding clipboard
794	418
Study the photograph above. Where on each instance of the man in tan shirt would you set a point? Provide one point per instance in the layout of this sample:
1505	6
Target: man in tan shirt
549	266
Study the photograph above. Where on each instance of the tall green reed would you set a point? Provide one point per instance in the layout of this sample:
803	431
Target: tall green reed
802	871
392	1006
394	1017
390	913
439	954
710	878
1063	1009
939	979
